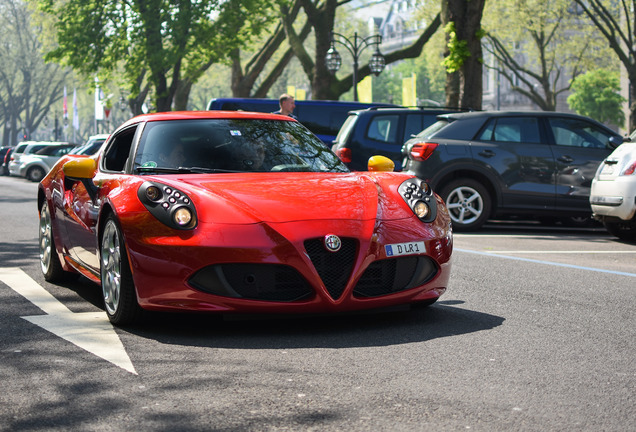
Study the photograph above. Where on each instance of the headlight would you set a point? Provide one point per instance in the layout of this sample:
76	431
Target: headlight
169	205
421	209
182	216
420	198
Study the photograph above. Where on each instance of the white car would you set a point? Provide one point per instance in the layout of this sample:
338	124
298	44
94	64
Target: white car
613	195
34	166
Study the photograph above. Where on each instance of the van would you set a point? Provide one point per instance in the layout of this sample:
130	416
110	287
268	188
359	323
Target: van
323	117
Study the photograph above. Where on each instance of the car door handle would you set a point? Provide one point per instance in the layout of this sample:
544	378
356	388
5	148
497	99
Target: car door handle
487	153
565	159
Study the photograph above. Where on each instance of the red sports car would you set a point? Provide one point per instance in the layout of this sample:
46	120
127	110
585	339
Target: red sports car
239	212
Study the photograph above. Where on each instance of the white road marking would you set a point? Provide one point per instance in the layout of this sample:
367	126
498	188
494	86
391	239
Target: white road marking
544	262
558	252
90	331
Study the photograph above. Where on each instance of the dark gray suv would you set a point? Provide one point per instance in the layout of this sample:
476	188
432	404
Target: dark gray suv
381	131
490	164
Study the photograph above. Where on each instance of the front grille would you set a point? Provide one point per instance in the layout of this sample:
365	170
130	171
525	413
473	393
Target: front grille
267	282
334	268
393	275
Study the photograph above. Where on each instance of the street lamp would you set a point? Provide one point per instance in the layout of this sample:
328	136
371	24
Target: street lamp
334	61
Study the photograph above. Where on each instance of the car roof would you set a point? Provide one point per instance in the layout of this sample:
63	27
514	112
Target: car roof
431	109
194	115
476	114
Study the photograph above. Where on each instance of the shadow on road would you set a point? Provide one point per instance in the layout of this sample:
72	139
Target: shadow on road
325	331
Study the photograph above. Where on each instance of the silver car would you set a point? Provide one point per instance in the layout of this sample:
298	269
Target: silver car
35	166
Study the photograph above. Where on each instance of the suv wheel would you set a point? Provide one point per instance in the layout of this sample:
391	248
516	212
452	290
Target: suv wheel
35	174
468	203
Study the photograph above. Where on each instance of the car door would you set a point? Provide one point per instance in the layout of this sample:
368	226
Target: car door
516	150
83	200
579	146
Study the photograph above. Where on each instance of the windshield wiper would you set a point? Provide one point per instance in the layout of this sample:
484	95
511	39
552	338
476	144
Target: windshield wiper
183	170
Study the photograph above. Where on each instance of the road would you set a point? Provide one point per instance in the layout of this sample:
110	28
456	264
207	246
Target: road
536	332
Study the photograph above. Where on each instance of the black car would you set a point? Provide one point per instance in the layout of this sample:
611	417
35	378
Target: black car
490	164
381	131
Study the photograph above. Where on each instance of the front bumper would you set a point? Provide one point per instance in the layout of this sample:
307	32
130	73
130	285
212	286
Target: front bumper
271	268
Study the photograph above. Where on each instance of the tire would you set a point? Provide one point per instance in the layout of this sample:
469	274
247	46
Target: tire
49	260
468	203
118	289
623	230
35	174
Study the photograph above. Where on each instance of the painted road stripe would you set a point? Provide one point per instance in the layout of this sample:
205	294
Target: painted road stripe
558	252
90	331
544	262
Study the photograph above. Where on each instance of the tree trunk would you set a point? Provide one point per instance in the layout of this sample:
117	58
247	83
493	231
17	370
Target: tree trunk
466	14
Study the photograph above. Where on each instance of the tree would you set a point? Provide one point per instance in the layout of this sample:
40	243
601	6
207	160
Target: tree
616	21
321	15
164	46
28	85
596	95
461	20
542	49
244	78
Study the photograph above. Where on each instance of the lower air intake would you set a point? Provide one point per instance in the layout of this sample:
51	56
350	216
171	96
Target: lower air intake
334	268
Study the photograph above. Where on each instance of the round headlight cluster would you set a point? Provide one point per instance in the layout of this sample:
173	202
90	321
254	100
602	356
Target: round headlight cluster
420	198
169	205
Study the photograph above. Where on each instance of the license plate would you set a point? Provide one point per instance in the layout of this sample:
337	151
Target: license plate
410	248
607	169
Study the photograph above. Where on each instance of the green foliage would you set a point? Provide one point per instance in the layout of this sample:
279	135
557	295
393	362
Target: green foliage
163	42
458	50
596	95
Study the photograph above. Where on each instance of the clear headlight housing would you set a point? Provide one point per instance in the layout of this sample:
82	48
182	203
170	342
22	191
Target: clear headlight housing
169	205
420	198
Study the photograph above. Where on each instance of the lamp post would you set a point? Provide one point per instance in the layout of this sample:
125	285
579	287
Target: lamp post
333	59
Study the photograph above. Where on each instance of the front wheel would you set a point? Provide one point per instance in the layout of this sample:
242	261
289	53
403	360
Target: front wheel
468	203
49	260
118	288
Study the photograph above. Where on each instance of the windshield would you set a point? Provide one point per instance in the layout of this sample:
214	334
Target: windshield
232	145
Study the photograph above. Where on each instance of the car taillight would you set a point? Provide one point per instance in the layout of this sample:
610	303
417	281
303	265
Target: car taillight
630	169
344	154
422	151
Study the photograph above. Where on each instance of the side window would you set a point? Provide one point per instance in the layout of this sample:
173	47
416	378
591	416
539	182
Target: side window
118	150
512	129
413	125
383	128
578	133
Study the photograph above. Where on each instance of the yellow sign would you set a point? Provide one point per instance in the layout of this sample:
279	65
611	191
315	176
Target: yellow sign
409	94
365	90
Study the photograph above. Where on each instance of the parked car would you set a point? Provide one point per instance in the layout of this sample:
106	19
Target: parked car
34	166
322	117
26	148
4	169
613	196
490	164
239	212
381	131
91	146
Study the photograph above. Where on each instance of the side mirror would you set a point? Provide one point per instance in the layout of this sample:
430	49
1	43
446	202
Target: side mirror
380	163
615	141
81	168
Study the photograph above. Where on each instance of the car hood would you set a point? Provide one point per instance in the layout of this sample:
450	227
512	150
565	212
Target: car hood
277	198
